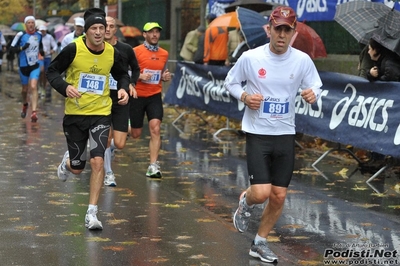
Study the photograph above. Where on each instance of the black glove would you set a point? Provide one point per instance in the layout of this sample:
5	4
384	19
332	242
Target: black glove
26	45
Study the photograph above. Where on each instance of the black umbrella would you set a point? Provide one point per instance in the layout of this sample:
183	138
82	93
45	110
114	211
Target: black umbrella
388	34
362	18
256	5
252	27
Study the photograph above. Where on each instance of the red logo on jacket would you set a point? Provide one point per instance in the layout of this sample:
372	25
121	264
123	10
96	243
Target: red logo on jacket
262	73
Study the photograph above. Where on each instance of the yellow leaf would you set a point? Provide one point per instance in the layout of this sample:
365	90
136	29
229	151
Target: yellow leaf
46	147
53	202
43	234
183	237
98	239
316	202
299	237
197	257
117	221
358	188
128	195
343	173
380	195
293	226
114	248
273	239
186	163
182	246
185	183
205	220
291	191
157	260
397	187
128	243
182	201
367	224
367	205
352	236
26	228
70	233
394	206
172	206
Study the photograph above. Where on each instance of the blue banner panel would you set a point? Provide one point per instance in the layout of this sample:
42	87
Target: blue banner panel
351	110
310	10
354	111
201	87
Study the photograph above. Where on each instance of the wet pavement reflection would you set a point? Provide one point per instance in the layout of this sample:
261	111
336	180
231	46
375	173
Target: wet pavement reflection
186	217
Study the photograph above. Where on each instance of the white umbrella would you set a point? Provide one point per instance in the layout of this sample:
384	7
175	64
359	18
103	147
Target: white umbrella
40	22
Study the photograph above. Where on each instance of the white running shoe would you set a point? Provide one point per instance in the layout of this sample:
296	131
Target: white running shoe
91	221
153	170
109	180
62	170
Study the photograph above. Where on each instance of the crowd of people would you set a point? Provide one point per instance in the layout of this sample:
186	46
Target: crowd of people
108	86
217	45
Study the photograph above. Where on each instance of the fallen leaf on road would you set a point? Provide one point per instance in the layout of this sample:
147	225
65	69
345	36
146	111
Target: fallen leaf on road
114	248
205	220
342	173
98	239
70	233
358	188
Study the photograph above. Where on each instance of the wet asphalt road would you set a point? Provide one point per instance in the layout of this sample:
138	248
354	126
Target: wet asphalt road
183	219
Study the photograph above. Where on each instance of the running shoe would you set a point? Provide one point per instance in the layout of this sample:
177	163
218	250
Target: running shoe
24	109
62	170
34	116
241	218
153	170
262	251
109	180
91	221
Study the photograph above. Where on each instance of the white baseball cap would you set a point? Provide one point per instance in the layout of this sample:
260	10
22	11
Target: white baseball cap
79	22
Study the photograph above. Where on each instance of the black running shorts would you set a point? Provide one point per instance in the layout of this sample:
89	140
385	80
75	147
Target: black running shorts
270	159
119	113
78	129
151	106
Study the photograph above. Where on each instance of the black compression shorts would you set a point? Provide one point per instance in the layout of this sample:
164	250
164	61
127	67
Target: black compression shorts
78	129
270	159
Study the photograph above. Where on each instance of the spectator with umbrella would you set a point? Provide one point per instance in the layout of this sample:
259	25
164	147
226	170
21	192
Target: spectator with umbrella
240	49
61	31
387	63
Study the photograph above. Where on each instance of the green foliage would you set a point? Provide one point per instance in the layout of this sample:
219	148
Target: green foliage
9	9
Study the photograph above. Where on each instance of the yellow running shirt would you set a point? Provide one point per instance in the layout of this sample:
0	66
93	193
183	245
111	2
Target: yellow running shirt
89	73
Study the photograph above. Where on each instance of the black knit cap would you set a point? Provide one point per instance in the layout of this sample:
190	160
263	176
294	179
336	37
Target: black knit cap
94	16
